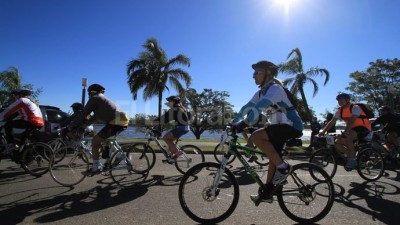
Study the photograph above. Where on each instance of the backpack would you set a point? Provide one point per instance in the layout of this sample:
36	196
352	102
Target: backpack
365	108
293	100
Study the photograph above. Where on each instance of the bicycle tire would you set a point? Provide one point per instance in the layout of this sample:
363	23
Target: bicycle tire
144	149
192	155
303	194
262	160
124	170
36	158
56	144
69	171
194	193
325	159
219	153
371	165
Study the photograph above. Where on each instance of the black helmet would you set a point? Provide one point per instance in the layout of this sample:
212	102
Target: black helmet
96	88
343	96
77	106
173	98
266	65
23	92
386	108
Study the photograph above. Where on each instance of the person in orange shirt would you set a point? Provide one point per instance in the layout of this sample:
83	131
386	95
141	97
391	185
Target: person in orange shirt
358	126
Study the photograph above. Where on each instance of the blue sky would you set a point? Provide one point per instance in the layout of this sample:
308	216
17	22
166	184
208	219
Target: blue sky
55	43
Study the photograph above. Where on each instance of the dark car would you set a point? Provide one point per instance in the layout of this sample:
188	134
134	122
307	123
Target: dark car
53	118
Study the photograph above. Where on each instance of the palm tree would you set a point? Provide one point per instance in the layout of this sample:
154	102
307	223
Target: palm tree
152	70
297	82
11	80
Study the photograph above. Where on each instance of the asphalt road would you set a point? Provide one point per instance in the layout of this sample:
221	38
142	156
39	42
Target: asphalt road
154	199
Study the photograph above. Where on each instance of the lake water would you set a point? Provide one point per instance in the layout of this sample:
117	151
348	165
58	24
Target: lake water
133	132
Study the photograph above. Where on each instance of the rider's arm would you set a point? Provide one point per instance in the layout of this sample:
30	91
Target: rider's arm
330	123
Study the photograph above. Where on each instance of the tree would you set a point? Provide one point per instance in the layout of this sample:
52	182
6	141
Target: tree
378	85
11	80
152	70
295	67
209	110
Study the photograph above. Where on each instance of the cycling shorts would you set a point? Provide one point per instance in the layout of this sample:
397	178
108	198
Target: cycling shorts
278	134
110	130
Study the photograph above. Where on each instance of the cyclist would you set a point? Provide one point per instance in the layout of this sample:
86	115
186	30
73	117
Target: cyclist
180	115
315	127
329	117
76	109
391	123
357	127
104	110
285	123
23	113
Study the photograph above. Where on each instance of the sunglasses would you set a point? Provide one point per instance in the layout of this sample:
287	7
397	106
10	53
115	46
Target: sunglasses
258	72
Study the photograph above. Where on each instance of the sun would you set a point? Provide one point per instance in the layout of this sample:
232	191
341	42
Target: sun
286	5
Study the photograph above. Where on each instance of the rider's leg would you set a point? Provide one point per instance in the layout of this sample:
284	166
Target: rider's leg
169	139
392	140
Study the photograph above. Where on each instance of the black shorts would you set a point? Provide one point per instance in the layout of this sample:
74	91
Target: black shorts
110	130
361	131
279	133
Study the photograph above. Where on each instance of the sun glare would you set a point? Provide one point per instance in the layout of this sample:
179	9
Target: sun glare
286	4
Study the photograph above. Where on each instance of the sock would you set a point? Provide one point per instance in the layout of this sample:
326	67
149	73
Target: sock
283	165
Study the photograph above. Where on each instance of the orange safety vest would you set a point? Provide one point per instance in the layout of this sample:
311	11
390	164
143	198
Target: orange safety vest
346	115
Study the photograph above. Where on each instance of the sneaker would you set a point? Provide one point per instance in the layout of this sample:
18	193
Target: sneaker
281	175
177	154
265	196
351	164
94	170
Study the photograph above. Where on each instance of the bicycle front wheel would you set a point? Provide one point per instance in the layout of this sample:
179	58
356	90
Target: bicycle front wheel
370	164
36	158
124	171
219	151
68	165
325	159
305	199
144	154
196	197
192	155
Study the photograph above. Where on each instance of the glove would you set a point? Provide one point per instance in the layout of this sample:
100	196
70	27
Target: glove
239	127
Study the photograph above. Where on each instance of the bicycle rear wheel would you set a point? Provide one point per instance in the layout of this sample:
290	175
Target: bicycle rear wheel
142	151
325	159
195	195
305	199
192	155
67	166
124	170
219	153
56	144
36	158
370	164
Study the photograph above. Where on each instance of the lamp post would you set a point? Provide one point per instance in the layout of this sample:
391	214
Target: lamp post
84	83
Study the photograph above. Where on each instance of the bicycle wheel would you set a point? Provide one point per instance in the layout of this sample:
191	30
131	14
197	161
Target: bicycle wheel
56	144
219	153
305	199
124	171
36	158
370	164
325	159
195	195
192	155
69	170
261	159
140	150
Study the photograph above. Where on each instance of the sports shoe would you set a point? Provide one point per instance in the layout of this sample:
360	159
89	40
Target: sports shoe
264	196
281	174
351	164
95	169
177	154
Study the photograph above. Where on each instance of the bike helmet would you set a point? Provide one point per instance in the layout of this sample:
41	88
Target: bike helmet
385	108
77	106
343	96
266	65
23	92
173	98
96	88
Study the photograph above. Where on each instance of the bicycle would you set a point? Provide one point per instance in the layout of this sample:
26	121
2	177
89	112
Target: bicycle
33	156
69	163
378	143
191	153
209	192
370	164
253	156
